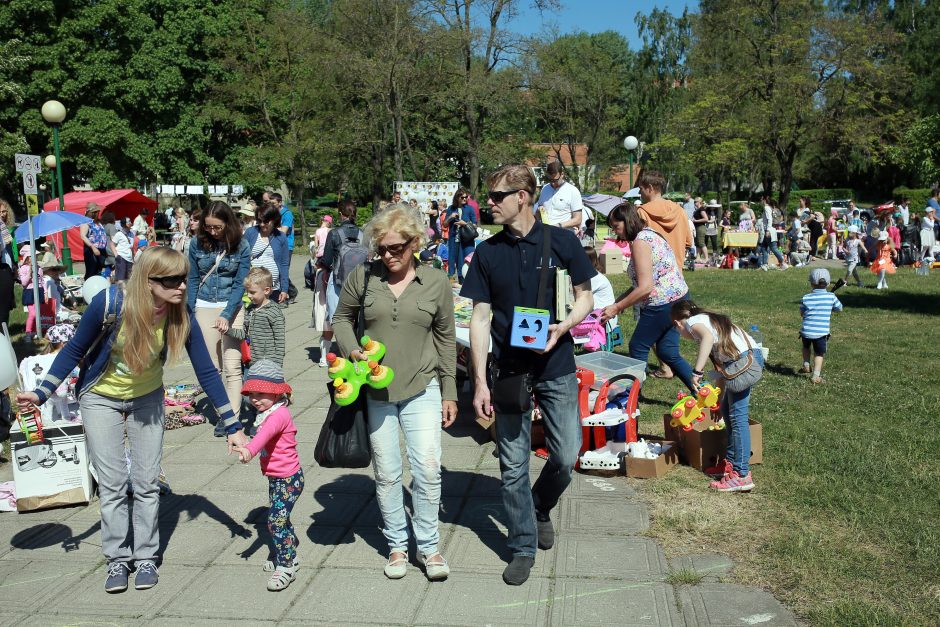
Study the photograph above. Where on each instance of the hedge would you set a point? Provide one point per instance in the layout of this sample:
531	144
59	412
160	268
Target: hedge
919	197
817	196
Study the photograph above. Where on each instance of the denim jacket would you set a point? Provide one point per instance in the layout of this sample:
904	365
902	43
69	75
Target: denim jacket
279	247
225	284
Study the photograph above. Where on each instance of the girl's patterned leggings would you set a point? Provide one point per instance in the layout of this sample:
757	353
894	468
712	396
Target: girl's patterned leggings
284	493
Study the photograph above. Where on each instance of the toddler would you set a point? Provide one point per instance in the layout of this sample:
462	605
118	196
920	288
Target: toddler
816	309
852	244
884	264
264	320
723	342
276	441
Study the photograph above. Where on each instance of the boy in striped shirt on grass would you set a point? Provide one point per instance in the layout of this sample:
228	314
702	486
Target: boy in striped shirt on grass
816	309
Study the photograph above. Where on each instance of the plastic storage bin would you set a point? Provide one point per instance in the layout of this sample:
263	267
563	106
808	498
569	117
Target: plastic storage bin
605	365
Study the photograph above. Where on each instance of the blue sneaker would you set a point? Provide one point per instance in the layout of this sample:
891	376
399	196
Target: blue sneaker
146	576
117	577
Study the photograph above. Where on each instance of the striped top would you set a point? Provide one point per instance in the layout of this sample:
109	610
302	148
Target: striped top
262	256
816	309
264	328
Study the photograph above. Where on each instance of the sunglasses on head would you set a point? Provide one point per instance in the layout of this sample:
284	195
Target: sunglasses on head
169	282
498	197
393	249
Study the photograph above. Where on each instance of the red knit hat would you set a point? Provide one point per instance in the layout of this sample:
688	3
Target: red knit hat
266	377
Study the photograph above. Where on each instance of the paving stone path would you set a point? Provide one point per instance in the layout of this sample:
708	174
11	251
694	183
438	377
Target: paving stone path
602	570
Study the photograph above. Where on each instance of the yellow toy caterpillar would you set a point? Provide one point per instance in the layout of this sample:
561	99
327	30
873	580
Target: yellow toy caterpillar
690	409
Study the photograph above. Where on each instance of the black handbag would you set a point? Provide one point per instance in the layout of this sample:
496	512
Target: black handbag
512	383
344	438
467	233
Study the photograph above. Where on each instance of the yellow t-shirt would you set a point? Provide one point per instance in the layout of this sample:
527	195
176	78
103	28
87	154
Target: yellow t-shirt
118	380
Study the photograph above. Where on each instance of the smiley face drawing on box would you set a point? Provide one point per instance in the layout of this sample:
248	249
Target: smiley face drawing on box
529	328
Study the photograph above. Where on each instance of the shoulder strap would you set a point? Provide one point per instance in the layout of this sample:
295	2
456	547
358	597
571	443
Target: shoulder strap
218	260
361	318
110	316
546	258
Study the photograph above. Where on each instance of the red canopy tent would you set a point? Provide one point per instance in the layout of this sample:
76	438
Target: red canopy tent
123	203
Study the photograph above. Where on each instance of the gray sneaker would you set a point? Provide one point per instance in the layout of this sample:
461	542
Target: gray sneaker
117	577
146	576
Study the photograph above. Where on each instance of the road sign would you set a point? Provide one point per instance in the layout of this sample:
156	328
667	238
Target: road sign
27	163
29	183
32	205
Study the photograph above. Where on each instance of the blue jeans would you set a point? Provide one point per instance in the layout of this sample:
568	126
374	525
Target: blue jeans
735	407
456	253
558	401
655	327
764	253
419	418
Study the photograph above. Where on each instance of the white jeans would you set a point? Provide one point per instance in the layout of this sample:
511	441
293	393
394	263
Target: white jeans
419	418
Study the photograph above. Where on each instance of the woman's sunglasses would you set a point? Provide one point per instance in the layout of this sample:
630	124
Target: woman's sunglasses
499	197
169	282
394	250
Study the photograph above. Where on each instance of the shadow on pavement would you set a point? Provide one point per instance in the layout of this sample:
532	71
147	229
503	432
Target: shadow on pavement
786	371
173	506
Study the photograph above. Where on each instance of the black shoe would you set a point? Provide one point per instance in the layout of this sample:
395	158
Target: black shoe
517	572
546	532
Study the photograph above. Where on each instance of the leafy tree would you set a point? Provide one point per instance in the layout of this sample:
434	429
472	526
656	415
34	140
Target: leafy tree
580	87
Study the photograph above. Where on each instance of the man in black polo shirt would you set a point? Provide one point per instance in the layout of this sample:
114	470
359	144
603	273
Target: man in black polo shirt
504	274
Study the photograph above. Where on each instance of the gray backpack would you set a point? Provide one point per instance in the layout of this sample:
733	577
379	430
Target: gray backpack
352	253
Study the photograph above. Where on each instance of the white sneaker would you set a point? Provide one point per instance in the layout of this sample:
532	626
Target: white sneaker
764	268
323	363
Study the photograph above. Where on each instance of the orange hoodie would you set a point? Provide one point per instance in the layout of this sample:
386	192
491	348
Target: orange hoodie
669	220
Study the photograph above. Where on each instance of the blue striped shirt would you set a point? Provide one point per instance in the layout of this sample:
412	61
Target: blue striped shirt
817	308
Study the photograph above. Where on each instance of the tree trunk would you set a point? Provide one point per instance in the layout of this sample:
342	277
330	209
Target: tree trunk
378	176
298	191
786	176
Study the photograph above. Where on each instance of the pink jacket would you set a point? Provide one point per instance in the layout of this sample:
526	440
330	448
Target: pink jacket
25	275
278	437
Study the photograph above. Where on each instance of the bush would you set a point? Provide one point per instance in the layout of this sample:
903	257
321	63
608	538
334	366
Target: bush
919	197
817	196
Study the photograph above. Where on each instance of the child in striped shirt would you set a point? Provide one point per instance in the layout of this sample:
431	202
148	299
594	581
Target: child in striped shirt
264	320
816	309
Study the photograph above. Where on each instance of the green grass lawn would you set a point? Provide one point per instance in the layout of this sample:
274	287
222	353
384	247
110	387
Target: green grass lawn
843	523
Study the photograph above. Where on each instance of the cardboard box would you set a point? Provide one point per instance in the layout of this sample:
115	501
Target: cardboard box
653	468
611	262
701	448
52	473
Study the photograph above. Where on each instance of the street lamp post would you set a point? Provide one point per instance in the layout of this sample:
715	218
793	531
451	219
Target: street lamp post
54	112
630	143
50	162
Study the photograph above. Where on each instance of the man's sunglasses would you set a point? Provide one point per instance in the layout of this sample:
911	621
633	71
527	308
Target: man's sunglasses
499	197
394	250
169	282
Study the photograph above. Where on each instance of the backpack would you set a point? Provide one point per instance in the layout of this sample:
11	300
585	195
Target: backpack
309	273
352	253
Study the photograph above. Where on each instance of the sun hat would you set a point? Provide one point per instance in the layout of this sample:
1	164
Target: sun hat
245	211
266	377
819	216
713	203
26	251
853	228
92	208
60	333
48	264
47	244
819	275
883	236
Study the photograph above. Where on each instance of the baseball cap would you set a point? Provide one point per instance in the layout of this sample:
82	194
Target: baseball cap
819	275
